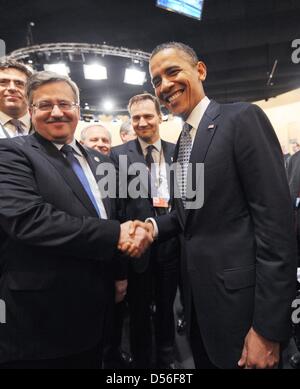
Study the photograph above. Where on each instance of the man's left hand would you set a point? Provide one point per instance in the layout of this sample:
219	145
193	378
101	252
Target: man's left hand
259	352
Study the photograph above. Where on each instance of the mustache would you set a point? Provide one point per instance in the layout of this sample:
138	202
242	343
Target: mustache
58	120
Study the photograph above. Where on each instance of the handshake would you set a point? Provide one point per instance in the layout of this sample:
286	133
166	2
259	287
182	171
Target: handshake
135	238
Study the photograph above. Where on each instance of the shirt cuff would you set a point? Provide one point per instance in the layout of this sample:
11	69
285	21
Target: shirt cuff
155	228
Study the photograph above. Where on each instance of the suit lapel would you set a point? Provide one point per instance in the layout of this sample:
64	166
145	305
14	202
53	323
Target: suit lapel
204	136
55	157
136	155
205	133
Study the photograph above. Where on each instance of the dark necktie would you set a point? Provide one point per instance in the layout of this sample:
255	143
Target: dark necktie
18	125
184	153
78	170
152	171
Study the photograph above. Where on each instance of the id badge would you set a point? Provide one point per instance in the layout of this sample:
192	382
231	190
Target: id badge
160	202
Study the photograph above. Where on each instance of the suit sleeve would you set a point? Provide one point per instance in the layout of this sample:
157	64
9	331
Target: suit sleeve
26	217
263	178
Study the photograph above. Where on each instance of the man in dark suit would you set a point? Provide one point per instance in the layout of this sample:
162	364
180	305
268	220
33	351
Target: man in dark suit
58	247
293	172
239	267
14	115
155	274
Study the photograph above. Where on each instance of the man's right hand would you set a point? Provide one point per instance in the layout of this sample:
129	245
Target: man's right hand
135	238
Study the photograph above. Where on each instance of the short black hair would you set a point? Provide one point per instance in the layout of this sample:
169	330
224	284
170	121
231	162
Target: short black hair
177	46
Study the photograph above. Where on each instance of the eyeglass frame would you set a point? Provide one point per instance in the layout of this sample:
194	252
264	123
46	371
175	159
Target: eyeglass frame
73	105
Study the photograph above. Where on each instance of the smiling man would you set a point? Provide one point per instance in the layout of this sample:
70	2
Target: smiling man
154	276
59	244
14	116
239	257
96	137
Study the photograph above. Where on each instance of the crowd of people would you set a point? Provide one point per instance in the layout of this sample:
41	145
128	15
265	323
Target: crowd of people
212	213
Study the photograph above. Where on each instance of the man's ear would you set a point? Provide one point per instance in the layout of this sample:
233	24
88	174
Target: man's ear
202	72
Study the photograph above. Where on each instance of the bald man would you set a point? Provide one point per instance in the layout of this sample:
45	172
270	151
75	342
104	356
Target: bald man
96	137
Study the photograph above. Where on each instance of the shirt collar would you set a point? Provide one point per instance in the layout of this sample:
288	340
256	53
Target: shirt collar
25	120
73	144
197	113
144	145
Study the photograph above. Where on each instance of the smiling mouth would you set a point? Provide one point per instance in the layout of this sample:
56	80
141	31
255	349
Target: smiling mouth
175	96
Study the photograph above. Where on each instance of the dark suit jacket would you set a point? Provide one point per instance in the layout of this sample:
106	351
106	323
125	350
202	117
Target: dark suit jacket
56	255
293	172
142	208
240	261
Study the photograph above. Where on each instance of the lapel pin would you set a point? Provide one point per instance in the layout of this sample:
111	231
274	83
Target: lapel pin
211	126
96	159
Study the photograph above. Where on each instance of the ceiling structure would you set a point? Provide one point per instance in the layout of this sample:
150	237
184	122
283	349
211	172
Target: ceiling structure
241	42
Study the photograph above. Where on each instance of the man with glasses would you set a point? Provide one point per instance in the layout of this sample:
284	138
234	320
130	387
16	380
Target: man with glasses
14	115
59	248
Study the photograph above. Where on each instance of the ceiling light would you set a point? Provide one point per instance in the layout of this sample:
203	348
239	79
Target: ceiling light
95	72
108	105
60	68
134	76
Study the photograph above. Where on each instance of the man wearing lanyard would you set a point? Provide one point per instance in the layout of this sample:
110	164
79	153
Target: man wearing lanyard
14	116
155	275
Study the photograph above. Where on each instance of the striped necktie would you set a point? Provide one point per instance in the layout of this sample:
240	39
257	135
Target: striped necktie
18	126
184	153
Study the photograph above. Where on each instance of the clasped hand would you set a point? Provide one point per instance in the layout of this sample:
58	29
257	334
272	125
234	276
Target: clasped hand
135	238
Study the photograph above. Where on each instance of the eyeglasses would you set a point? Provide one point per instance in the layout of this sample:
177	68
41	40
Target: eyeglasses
48	107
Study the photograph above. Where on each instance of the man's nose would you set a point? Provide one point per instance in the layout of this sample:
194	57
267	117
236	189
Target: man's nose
56	111
142	122
166	84
11	85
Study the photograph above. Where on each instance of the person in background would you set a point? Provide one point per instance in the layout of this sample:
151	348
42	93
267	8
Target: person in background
14	115
155	274
127	132
97	137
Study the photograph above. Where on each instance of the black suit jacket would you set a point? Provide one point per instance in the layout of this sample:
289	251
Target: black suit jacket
56	255
240	261
142	208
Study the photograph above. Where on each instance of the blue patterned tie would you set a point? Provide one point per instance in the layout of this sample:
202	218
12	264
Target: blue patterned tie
77	168
184	153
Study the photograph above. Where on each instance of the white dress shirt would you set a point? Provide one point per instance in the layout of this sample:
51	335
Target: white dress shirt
196	116
194	120
89	175
160	168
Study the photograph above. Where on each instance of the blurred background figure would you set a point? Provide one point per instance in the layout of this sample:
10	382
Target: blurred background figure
296	147
127	132
96	136
286	155
14	115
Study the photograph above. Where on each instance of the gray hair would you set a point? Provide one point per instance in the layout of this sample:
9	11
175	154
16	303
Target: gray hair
191	54
85	130
126	127
45	77
9	63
